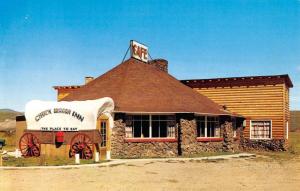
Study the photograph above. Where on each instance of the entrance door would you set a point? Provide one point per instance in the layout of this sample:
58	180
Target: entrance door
105	134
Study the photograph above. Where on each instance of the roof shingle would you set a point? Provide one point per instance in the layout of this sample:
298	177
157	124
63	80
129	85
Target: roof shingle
142	88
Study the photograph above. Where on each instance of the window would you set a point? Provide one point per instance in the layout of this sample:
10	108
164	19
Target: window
260	129
148	126
103	133
208	126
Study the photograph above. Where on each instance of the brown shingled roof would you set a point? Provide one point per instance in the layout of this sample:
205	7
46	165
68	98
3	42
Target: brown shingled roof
138	87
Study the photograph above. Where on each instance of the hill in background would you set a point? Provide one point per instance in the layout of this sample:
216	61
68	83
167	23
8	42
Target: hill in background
295	121
8	119
8	114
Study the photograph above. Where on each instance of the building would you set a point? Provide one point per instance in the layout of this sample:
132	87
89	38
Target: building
155	114
262	100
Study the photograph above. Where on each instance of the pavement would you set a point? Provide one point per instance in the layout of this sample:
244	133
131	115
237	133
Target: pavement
125	161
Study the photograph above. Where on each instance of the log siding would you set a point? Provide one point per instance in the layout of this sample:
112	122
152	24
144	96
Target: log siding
258	100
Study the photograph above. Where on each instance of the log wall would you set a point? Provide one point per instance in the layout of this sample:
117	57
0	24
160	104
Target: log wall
261	102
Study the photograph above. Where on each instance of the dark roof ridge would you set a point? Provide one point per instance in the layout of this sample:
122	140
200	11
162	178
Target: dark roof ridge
284	76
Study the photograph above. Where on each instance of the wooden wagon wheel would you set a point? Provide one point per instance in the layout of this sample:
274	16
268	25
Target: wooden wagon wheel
29	145
81	144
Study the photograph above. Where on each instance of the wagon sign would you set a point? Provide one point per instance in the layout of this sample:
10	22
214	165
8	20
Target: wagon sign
73	123
65	116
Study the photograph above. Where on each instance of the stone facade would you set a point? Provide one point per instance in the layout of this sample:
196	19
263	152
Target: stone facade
228	142
191	146
120	148
186	142
264	145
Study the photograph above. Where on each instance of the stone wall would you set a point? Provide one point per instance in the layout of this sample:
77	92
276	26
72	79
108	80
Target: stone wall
190	145
187	144
264	145
120	148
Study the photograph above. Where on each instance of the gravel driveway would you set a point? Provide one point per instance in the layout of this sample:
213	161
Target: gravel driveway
232	174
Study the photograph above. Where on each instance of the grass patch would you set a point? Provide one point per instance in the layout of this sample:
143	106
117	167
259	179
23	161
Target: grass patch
43	161
209	154
10	138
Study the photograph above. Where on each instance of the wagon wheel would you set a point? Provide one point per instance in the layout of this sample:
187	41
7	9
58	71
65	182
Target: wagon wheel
81	144
29	145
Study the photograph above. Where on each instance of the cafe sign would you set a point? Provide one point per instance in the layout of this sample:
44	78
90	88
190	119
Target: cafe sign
139	51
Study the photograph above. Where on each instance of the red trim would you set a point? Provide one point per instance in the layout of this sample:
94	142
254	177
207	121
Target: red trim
209	139
146	140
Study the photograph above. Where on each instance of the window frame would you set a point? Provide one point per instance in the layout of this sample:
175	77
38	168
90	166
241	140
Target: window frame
206	127
264	120
103	131
150	128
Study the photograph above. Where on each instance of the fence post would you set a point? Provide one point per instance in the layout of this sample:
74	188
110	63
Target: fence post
97	157
77	159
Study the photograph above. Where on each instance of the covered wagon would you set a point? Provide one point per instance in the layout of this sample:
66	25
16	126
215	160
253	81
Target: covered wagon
73	124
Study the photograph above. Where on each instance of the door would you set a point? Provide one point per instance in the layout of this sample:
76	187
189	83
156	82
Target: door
105	138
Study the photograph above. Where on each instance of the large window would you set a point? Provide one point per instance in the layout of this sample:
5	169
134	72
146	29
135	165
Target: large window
148	126
260	129
208	126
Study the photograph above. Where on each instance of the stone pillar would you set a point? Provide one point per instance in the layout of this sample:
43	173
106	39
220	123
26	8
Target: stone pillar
188	134
118	139
228	136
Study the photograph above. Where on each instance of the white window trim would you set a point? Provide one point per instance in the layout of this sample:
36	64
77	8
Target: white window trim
287	130
150	128
205	131
271	133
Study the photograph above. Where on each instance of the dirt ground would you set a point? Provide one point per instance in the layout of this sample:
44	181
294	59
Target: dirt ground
233	174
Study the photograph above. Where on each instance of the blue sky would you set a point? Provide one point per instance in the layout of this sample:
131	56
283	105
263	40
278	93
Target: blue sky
47	43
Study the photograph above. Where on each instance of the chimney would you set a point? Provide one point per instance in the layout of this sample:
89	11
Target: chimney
88	79
161	64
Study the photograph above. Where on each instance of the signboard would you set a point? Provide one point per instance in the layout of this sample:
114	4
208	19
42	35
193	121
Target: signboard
139	51
66	116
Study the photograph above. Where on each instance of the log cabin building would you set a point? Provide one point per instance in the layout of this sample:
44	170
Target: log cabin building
262	100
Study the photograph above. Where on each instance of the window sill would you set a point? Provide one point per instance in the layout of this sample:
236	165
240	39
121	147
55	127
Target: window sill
209	139
146	140
261	139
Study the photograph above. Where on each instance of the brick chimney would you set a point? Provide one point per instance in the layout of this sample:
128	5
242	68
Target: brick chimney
161	64
88	79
